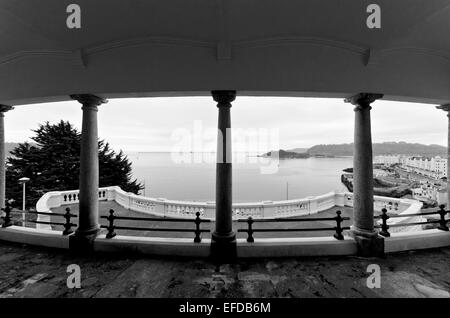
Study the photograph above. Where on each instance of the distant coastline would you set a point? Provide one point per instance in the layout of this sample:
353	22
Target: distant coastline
282	154
346	150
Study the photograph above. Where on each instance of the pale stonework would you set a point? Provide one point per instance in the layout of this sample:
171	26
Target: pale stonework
89	169
3	110
363	165
446	108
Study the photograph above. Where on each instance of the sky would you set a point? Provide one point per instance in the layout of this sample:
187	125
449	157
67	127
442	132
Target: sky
165	124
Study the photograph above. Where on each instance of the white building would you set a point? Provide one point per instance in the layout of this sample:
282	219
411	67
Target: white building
387	159
441	166
426	190
441	196
435	167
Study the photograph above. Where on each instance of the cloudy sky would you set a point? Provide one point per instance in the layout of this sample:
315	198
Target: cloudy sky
155	124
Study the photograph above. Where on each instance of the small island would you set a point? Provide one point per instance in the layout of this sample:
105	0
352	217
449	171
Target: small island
283	154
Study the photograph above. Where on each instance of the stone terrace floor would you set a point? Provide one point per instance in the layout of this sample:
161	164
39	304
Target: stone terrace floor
27	271
105	206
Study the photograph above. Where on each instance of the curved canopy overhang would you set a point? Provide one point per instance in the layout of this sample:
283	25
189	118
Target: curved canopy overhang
257	47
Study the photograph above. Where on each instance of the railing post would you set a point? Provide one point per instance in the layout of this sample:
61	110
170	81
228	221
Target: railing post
68	225
338	235
250	238
442	223
111	219
198	233
7	218
384	227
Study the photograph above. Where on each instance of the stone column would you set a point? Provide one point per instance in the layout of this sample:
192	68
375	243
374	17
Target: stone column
223	238
446	108
88	225
363	223
3	110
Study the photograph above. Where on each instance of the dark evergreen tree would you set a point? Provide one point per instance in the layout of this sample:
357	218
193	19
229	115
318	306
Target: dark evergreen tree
53	164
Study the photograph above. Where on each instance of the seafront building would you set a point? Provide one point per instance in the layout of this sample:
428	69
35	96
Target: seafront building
435	167
429	191
387	160
426	191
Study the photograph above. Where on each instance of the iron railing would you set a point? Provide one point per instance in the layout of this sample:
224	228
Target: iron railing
111	226
337	235
8	221
384	227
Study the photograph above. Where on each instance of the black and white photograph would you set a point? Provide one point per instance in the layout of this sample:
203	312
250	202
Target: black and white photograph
224	156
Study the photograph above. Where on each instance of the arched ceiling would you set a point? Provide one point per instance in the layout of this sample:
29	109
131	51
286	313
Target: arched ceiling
257	47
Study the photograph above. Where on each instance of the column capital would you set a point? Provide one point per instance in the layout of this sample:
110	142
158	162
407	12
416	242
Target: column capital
445	107
5	108
89	99
223	98
362	100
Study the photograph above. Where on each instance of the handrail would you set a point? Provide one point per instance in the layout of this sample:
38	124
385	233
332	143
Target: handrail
7	218
111	226
152	219
292	220
338	228
67	225
385	216
412	223
53	214
405	215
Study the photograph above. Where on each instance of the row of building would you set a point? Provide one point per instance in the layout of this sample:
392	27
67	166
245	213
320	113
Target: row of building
434	167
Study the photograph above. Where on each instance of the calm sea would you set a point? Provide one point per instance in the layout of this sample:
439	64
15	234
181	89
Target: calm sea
254	179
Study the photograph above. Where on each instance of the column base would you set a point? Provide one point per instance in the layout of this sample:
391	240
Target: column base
362	232
370	244
223	248
83	242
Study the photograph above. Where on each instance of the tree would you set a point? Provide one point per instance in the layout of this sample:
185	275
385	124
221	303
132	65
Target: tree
52	163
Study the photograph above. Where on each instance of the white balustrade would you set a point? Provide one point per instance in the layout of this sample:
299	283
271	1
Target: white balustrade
265	209
407	206
245	210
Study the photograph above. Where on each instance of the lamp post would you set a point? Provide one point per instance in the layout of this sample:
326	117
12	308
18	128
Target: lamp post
287	190
23	181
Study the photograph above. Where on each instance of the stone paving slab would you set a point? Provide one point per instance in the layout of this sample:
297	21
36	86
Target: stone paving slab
27	271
